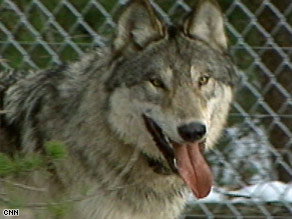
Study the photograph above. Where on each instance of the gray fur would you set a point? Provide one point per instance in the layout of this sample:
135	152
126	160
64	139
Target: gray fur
95	105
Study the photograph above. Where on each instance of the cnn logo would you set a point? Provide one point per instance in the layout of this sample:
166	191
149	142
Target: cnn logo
11	212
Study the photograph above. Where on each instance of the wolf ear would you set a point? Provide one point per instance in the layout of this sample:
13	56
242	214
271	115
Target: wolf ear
137	26
207	23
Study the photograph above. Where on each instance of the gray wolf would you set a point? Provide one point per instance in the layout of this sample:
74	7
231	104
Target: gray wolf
135	115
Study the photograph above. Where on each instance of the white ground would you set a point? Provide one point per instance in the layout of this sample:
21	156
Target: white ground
274	191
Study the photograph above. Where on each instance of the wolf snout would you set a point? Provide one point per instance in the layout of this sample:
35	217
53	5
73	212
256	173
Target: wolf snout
192	131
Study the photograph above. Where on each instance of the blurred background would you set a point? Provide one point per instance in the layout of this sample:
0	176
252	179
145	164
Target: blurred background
253	161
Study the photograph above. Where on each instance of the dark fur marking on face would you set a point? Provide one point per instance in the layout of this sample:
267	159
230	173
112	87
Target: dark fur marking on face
172	31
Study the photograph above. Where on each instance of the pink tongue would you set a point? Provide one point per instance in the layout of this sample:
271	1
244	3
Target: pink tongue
193	169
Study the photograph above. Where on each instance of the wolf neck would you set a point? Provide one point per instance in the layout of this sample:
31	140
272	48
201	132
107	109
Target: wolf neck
115	176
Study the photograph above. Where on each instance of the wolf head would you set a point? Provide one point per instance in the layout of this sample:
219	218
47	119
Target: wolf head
171	86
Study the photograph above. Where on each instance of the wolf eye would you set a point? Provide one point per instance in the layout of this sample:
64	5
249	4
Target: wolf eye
203	80
156	82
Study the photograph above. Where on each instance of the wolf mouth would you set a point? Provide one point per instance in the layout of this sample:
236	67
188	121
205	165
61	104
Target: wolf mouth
185	159
162	142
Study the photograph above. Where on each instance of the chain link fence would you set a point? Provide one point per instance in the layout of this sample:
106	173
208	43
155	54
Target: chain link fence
257	146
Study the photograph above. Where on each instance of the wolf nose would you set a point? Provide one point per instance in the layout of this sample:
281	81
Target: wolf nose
192	131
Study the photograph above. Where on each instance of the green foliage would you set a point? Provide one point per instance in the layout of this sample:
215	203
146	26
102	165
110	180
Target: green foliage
20	163
7	166
20	166
29	163
15	202
55	150
60	210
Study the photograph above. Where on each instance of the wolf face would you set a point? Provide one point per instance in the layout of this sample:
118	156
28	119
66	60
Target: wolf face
172	86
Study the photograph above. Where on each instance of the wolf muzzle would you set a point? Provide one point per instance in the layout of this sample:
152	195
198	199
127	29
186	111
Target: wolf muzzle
185	159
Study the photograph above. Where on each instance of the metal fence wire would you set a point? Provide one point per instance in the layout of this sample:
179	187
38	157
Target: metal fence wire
257	145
